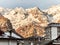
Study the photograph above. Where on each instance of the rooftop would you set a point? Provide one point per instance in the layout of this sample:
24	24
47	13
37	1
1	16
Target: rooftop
54	24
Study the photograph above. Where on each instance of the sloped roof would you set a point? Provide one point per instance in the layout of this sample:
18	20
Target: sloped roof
5	37
8	37
54	25
17	34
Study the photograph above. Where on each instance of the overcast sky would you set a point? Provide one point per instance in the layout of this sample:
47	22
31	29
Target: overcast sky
42	4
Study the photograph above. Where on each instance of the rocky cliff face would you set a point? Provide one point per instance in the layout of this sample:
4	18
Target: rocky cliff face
26	21
55	12
5	24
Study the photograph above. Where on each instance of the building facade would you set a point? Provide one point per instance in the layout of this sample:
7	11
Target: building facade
52	31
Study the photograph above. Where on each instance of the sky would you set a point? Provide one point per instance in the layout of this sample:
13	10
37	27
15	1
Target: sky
42	4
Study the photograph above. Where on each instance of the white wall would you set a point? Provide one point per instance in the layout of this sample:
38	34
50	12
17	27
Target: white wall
6	42
53	33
